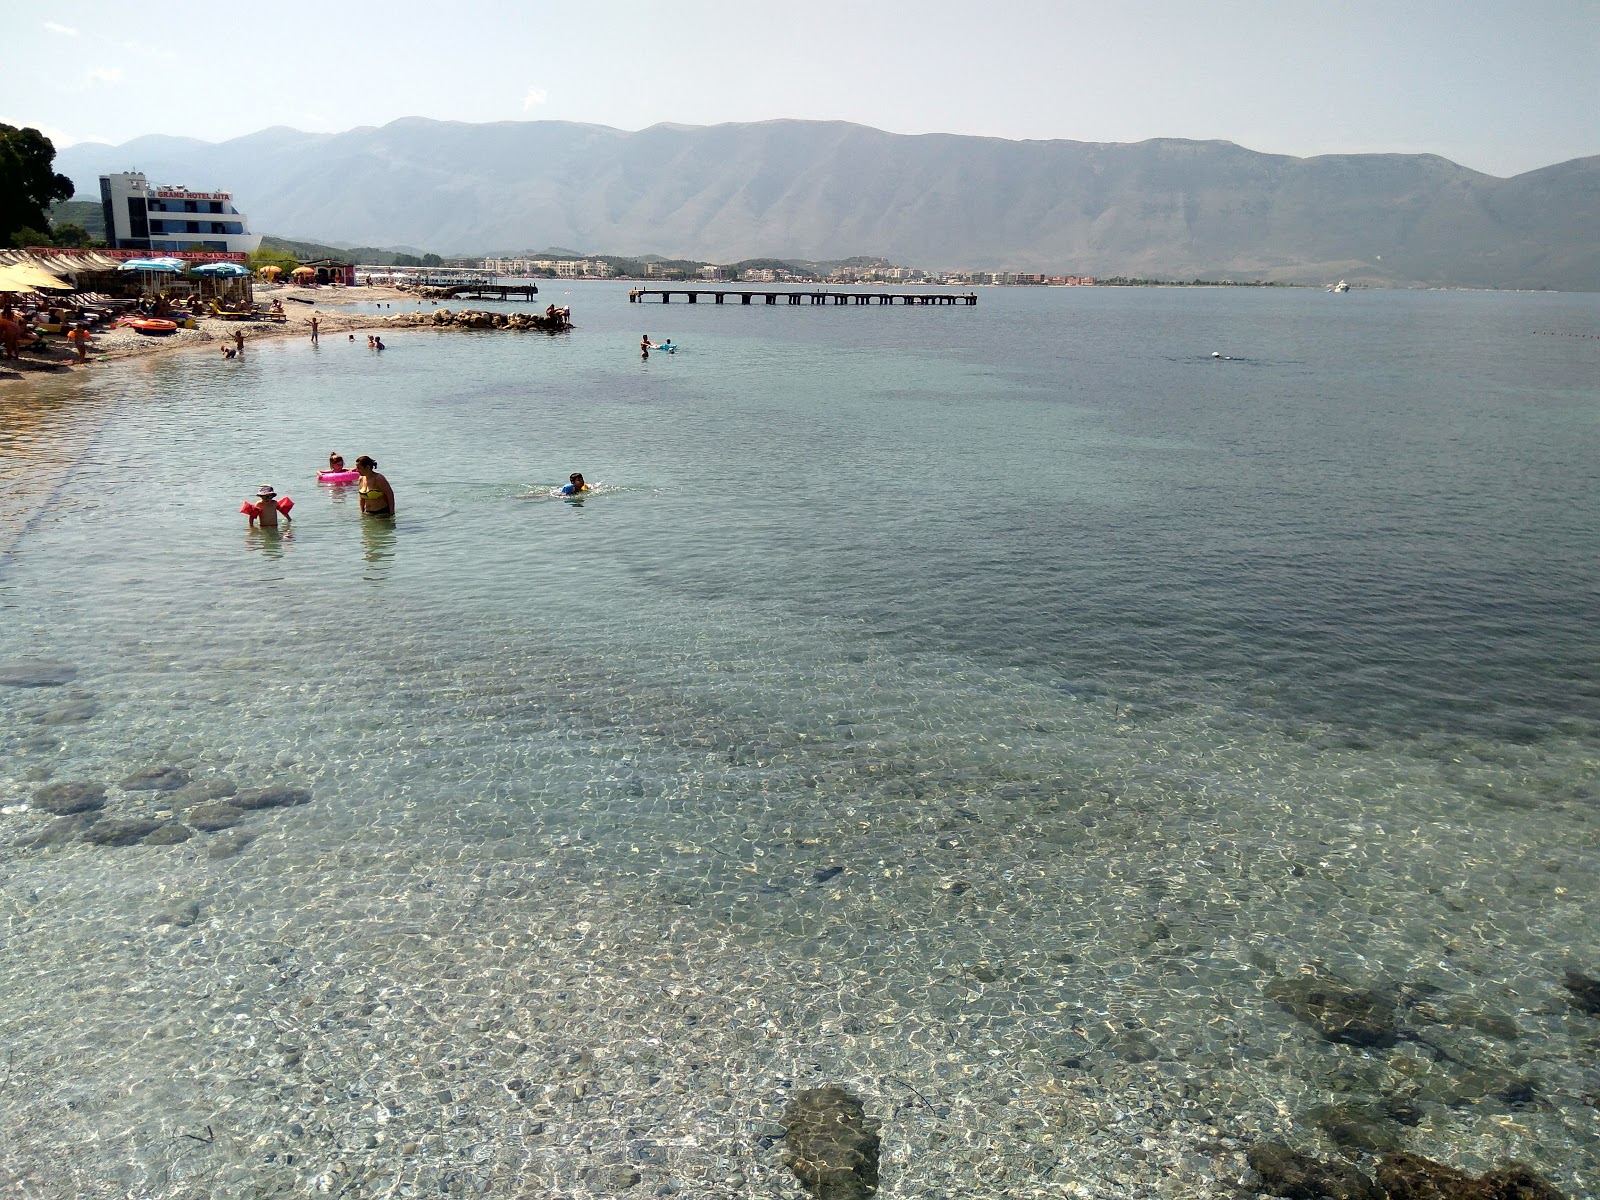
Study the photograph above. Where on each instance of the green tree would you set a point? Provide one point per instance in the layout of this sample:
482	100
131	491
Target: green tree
268	256
71	235
29	236
27	184
432	260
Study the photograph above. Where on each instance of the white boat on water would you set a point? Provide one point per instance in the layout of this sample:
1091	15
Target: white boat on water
1341	286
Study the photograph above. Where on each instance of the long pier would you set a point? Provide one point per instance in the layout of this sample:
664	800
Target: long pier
801	296
488	291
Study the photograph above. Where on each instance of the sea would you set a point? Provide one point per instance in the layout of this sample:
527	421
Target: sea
1104	730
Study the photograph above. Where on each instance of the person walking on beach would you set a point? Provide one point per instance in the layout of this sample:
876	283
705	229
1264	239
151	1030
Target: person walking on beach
377	497
314	324
79	337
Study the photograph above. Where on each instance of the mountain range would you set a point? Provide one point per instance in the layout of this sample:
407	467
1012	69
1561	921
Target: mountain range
1165	208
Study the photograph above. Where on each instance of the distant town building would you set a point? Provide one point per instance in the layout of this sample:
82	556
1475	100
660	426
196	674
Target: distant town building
566	268
170	218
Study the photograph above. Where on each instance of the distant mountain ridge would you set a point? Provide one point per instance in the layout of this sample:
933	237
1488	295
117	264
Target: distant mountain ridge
826	190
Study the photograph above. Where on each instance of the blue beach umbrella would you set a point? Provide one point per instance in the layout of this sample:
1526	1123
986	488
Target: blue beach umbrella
166	266
220	270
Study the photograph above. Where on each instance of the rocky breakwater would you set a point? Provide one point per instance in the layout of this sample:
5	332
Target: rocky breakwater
468	318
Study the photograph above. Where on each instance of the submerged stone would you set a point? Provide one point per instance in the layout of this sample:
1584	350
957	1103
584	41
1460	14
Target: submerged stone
217	787
155	779
1354	1128
831	1145
273	797
180	914
71	713
36	673
62	829
1584	993
168	833
1339	1012
1295	1176
229	844
121	831
72	797
1413	1177
209	818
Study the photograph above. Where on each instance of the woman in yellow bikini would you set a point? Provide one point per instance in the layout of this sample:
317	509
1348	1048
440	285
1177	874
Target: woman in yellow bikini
377	497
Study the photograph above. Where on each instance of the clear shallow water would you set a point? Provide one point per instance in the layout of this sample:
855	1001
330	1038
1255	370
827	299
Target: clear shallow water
1118	681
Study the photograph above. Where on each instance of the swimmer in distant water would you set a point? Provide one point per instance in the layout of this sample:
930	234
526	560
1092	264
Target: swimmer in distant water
576	485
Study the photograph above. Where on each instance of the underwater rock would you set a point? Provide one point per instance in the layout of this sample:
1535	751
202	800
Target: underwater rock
1354	1128
180	914
36	673
611	1179
73	797
274	797
71	713
168	833
217	787
1413	1177
1477	1084
831	1145
1285	1172
824	874
1337	1011
1585	993
208	818
121	831
229	844
62	829
155	779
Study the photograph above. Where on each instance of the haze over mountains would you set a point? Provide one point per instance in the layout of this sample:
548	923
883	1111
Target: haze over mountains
825	190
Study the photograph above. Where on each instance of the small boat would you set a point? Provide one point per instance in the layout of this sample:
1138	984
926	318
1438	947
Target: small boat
1341	286
153	326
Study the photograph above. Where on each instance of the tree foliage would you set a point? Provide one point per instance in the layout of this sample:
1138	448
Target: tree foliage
28	185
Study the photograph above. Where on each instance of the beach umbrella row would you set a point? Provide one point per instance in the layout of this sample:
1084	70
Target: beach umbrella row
161	266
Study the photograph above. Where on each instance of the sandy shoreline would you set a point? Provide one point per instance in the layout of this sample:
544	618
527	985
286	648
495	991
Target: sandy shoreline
112	345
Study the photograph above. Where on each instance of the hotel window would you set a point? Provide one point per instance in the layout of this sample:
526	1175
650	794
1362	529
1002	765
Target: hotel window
191	226
158	226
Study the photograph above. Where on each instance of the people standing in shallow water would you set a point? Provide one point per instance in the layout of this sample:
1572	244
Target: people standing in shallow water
645	346
267	508
377	497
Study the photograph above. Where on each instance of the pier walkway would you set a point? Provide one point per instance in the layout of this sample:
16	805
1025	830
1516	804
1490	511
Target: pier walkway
486	291
803	296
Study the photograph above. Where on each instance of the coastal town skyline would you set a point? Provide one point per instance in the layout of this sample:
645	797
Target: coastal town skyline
1498	88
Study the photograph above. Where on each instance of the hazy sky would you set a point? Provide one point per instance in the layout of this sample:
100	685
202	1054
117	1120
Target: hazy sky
1499	86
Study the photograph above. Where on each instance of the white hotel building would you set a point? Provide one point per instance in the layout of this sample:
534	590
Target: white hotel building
167	219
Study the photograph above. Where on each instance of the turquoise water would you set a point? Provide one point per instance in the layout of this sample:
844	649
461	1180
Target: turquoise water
983	708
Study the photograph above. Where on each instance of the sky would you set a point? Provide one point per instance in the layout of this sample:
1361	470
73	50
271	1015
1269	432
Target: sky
1499	86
